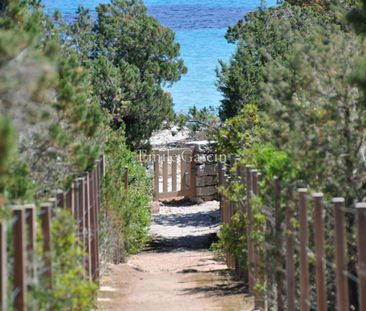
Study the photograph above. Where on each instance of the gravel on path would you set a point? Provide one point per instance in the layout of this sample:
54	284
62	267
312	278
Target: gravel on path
176	272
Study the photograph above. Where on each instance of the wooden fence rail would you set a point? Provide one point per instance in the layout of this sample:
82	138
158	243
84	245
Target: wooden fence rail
292	243
83	199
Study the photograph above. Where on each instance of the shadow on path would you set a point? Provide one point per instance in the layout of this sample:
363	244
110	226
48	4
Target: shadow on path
189	242
199	219
184	225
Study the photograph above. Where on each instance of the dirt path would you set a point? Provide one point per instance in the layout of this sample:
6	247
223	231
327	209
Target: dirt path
177	273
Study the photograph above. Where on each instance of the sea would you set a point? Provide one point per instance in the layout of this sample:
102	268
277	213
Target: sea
200	27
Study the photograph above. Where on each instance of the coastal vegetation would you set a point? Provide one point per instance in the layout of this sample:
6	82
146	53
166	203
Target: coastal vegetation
69	93
294	107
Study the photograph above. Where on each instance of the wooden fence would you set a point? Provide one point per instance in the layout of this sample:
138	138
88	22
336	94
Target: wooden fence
83	200
173	173
287	273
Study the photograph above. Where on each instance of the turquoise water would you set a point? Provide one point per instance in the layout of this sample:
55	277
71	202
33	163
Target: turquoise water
200	27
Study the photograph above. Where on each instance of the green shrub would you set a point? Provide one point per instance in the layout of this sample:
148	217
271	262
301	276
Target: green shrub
232	239
71	289
127	213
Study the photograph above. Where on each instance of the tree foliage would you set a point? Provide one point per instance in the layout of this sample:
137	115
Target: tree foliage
131	57
263	36
46	93
302	68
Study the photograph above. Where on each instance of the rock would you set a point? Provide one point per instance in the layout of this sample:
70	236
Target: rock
202	181
207	170
203	146
206	191
210	198
199	200
154	207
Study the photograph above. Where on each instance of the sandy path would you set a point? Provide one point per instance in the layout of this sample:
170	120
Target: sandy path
177	273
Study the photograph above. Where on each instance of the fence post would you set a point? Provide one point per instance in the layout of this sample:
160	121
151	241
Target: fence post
255	192
226	200
341	255
321	289
226	214
361	247
93	249
98	183
75	201
259	297
81	209
60	199
193	175
290	251
126	179
69	201
20	279
165	171
3	267
97	198
31	245
87	226
233	207
156	176
46	210
278	244
249	187
304	268
221	183
244	270
94	226
102	159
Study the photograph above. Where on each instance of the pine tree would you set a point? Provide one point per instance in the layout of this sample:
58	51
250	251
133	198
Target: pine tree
132	58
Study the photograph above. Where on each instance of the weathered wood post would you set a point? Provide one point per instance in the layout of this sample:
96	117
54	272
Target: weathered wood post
193	175
304	267
321	289
69	199
361	247
221	167
60	199
249	227
3	267
174	172
93	247
87	226
278	244
341	255
94	226
226	200
259	297
98	182
97	205
30	211
103	165
244	270
75	201
46	212
290	251
165	172
19	244
156	175
81	209
255	192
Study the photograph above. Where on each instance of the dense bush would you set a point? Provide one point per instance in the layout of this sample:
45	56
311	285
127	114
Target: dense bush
294	108
70	289
128	212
